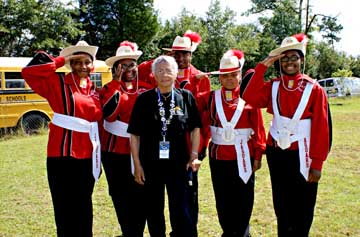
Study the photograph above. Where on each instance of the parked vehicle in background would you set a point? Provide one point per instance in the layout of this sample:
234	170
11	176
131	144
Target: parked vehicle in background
355	90
341	86
347	83
20	106
334	87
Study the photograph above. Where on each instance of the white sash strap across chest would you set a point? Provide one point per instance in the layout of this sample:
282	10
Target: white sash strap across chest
84	126
228	135
286	131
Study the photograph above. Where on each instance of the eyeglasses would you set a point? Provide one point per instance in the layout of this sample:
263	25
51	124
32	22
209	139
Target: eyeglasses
128	66
286	59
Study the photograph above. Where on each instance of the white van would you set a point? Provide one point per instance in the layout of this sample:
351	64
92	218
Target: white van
355	90
336	86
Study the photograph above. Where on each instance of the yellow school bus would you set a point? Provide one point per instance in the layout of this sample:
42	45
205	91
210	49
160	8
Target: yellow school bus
20	106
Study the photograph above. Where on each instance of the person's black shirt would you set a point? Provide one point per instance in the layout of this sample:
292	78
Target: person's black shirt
145	122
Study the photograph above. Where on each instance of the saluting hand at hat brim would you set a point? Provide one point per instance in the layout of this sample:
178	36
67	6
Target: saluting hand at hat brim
270	60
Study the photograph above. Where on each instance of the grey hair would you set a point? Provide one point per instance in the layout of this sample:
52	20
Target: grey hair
164	59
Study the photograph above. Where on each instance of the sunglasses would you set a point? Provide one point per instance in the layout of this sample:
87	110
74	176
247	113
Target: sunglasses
286	59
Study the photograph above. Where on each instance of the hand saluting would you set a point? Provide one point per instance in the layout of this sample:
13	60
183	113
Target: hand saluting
118	73
271	59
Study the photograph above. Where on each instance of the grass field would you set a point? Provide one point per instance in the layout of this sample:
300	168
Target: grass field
26	208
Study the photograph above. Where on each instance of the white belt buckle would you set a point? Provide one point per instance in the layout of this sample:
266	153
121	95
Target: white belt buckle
228	134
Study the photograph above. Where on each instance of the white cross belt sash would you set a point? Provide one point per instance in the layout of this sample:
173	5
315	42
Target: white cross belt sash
228	135
301	134
84	126
119	129
286	131
240	140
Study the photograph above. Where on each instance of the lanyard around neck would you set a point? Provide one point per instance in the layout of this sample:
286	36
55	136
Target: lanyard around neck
165	122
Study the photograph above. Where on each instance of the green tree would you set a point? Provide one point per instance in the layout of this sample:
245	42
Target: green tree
247	38
329	60
354	65
177	26
342	73
288	17
329	29
29	25
283	22
219	25
108	22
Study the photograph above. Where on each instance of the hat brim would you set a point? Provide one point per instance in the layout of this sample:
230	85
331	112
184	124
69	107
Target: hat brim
110	61
96	64
280	50
92	50
184	49
227	72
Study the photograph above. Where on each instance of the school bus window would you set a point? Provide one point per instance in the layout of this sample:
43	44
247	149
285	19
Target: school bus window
96	79
14	80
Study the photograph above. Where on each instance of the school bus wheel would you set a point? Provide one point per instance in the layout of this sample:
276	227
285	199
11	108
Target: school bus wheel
33	123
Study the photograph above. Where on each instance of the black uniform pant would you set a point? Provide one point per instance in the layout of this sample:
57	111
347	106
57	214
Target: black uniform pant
71	185
294	198
173	176
126	194
234	199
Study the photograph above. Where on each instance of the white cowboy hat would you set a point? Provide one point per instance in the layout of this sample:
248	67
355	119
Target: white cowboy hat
81	46
295	42
126	50
232	61
188	42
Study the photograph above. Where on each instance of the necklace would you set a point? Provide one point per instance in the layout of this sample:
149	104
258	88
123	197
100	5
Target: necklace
131	93
165	122
166	97
77	87
299	83
296	88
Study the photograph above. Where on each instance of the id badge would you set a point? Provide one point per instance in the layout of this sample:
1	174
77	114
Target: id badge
164	149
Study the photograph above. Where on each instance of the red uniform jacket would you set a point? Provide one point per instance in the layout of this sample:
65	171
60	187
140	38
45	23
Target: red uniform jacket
258	93
145	72
118	103
250	118
65	97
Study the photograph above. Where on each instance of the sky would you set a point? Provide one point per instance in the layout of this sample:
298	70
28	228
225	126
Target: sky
347	12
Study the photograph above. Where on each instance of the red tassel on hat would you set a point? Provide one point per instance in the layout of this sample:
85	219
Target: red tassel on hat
194	37
235	52
128	43
301	37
